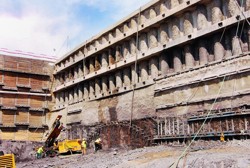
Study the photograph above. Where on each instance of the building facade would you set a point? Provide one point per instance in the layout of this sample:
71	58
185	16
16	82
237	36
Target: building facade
160	71
25	97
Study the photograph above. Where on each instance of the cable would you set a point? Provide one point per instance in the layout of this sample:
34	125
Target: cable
136	57
237	4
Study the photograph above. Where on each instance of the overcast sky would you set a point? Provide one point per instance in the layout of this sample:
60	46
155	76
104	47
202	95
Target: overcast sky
53	27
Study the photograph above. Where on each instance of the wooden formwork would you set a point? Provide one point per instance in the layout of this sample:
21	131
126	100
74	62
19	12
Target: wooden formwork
24	85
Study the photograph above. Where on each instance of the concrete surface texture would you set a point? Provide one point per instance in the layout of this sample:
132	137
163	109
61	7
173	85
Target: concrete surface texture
201	154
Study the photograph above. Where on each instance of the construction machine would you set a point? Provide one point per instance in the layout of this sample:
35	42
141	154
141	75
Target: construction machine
7	160
53	147
49	145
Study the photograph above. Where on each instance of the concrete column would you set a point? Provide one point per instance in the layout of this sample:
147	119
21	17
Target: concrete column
177	60
236	46
91	88
66	94
111	36
143	42
71	96
57	98
188	24
244	39
75	94
80	92
201	17
75	72
118	32
134	75
165	6
210	46
231	8
104	60
118	77
152	13
66	76
85	91
105	84
143	18
219	50
112	82
133	48
80	70
144	70
57	80
164	64
104	39
118	55
175	28
125	49
189	57
154	63
153	35
216	12
203	52
228	46
164	37
125	27
97	63
97	87
91	65
133	23
111	57
127	75
85	68
174	3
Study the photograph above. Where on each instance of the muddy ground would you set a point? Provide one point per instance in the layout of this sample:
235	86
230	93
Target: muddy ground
201	154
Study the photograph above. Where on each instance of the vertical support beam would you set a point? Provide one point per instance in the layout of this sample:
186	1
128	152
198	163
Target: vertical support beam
127	77
118	79
134	75
164	64
153	35
169	126
218	48
165	126
227	127
177	60
154	64
104	85
232	121
144	70
112	83
189	58
104	60
161	129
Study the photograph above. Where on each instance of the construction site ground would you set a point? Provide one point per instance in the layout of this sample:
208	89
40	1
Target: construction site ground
215	154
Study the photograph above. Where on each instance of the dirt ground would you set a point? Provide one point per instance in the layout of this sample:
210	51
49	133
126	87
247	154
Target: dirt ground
202	154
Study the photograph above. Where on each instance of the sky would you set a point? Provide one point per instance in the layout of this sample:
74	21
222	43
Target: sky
54	27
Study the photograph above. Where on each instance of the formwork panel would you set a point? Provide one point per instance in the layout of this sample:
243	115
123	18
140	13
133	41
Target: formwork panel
6	135
35	135
37	66
9	100
35	118
22	100
36	83
10	63
21	135
1	61
22	117
1	77
36	102
24	65
9	79
8	117
23	79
